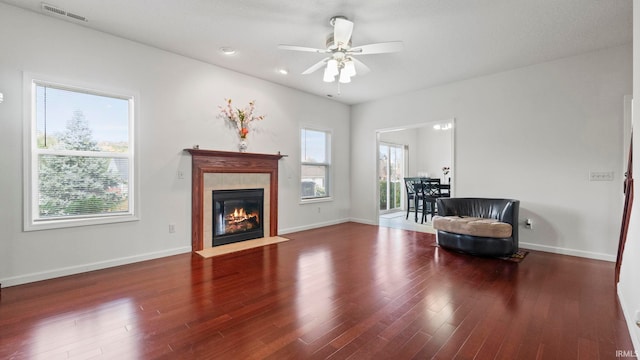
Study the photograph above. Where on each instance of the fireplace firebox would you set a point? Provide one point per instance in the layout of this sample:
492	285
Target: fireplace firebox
237	215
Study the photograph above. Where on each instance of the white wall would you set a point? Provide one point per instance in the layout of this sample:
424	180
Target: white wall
435	151
178	108
628	287
532	134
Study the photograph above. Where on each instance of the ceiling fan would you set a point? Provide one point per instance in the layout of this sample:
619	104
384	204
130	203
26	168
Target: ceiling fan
341	61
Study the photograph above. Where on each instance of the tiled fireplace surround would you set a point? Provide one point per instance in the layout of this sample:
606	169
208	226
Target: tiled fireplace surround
221	170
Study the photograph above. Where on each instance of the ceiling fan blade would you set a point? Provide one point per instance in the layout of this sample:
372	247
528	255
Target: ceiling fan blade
301	48
361	68
379	48
342	29
316	66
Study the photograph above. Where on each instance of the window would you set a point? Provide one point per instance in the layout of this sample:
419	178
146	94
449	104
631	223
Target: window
315	164
79	156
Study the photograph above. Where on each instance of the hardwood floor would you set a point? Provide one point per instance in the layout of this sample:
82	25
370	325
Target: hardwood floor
346	291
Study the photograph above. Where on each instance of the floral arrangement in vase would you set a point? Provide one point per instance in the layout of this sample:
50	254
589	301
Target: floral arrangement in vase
445	172
240	119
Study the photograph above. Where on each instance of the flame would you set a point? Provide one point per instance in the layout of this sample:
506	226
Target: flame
239	213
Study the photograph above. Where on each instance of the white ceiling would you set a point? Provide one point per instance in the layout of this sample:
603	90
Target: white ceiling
444	40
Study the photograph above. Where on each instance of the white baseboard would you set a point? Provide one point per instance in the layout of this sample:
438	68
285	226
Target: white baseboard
571	252
364	221
72	270
311	226
631	323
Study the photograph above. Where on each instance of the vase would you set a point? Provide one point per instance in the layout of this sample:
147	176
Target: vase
243	145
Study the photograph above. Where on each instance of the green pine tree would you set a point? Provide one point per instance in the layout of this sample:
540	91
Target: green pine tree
77	185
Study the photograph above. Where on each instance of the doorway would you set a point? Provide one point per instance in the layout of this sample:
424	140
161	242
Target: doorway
427	151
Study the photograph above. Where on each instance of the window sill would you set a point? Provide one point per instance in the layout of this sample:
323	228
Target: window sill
67	223
315	200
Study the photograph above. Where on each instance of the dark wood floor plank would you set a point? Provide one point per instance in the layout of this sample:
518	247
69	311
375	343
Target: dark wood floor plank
435	342
349	291
587	350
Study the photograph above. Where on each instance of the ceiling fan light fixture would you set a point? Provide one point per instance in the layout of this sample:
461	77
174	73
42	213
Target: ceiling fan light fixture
349	68
332	67
344	77
328	76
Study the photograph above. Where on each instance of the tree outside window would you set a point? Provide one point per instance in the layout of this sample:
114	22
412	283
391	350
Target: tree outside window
80	185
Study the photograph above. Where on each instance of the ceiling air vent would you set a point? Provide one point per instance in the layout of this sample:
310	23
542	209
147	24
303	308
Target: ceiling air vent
77	17
56	11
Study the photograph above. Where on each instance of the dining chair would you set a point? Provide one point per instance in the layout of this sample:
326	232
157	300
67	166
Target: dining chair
445	190
413	187
430	192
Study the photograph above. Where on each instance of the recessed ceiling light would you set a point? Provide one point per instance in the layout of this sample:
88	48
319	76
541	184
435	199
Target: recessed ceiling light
283	71
228	50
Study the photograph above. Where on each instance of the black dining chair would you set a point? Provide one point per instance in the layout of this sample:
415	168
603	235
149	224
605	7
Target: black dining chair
430	192
445	190
413	187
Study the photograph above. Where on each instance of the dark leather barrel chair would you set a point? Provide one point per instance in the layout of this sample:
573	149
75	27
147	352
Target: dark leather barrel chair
478	225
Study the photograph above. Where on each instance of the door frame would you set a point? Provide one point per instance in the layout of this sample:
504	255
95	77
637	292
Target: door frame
408	155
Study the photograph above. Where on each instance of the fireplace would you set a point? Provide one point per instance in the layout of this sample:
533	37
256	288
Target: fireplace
208	165
237	215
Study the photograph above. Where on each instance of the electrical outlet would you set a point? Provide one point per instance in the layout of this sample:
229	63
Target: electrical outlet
172	228
528	224
179	174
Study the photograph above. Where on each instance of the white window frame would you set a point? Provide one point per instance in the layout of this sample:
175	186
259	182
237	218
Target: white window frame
32	220
329	172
